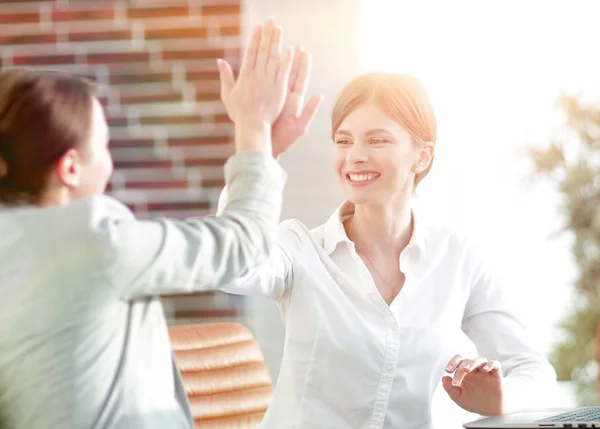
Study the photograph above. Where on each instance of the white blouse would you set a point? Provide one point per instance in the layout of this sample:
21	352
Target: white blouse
351	361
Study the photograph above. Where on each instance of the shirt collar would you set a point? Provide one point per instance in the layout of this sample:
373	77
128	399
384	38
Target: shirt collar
335	233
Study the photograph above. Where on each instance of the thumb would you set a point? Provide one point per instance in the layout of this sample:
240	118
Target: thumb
226	76
452	391
309	111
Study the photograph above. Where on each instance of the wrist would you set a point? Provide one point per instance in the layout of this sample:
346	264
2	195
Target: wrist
253	136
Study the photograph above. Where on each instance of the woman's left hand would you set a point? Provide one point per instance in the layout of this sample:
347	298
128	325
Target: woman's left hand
476	385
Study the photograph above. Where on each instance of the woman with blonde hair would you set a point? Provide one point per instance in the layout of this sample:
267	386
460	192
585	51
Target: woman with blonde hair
375	302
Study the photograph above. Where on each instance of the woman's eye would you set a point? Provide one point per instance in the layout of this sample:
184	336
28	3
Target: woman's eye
378	141
342	141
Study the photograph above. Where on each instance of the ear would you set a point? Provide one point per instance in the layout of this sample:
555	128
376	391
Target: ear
425	157
68	169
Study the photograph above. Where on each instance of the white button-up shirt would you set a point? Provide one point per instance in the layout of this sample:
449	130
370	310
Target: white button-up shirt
351	361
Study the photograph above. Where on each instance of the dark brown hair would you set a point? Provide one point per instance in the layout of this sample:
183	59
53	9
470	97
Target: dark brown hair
43	115
401	96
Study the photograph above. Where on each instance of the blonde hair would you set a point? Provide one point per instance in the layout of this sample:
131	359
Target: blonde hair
401	96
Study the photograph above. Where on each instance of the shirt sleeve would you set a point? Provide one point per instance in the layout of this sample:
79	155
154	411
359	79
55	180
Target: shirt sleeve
529	379
273	278
169	256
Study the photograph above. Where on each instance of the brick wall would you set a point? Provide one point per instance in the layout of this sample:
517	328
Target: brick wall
155	65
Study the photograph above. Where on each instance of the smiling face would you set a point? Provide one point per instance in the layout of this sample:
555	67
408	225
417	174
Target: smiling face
374	156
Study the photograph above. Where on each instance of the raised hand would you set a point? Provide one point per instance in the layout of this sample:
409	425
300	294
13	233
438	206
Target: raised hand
476	385
256	99
292	123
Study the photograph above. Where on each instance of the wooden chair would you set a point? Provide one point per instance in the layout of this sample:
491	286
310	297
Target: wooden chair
224	373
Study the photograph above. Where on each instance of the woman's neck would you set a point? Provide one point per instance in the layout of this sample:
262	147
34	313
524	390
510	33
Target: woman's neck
381	228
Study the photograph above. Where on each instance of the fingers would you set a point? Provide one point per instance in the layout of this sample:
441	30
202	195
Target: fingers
274	53
300	85
453	391
250	56
464	367
453	363
309	112
266	41
491	366
226	77
298	49
304	68
283	73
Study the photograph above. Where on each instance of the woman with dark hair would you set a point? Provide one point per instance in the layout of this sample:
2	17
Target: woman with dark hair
83	338
375	302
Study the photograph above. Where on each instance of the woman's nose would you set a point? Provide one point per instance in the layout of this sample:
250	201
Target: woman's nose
358	154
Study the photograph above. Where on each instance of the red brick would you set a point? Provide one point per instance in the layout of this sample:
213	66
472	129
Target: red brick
204	162
203	94
63	15
151	98
82	36
176	33
125	57
19	18
214	10
192	205
193	54
230	30
167	184
118	78
157	12
199	141
38	60
202	75
22	39
213	183
161	163
132	142
117	121
172	120
222	118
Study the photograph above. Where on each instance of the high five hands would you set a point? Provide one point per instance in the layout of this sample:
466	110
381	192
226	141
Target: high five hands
268	95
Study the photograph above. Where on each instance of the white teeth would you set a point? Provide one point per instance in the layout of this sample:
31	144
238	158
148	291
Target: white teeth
361	177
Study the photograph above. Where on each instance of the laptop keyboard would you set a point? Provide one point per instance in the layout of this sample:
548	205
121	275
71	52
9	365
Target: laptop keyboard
588	414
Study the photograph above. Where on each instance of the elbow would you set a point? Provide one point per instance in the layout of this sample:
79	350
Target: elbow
266	241
256	241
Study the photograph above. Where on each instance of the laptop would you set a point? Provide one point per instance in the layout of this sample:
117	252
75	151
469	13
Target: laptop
583	417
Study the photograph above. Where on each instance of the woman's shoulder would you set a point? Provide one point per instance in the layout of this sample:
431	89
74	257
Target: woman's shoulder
447	234
448	241
294	230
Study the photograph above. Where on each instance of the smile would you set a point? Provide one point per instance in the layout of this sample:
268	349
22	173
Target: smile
361	179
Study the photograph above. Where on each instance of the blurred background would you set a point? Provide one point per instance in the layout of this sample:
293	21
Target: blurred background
516	86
